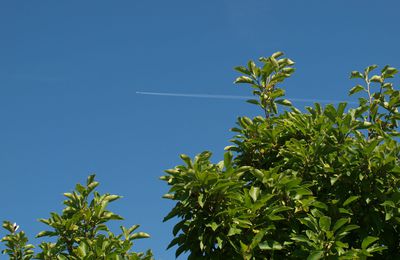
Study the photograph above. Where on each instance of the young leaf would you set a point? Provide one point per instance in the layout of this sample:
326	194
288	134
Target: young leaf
350	200
284	102
243	70
254	192
325	223
370	68
339	223
367	241
376	78
356	74
316	255
243	79
356	89
253	101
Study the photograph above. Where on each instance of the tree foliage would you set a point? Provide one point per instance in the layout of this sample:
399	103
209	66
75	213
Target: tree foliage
322	183
80	232
318	184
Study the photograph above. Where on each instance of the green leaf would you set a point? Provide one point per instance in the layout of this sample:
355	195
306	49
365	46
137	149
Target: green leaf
341	244
370	68
219	242
309	223
315	255
243	79
90	179
376	248
200	200
187	160
348	228
356	74
376	78
277	93
367	241
111	198
270	245
82	250
243	70
320	205
345	211
228	160
303	191
300	238
350	200
80	189
267	68
275	217
274	63
289	62
180	250
389	203
341	108
316	213
356	89
69	195
325	223
277	54
253	101
46	234
139	235
132	228
254	192
284	102
388	215
257	238
234	231
213	226
389	72
168	196
339	223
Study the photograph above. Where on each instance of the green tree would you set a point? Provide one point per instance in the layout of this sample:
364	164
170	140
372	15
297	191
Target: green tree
80	232
319	184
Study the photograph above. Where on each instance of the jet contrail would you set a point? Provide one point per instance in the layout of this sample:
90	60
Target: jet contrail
192	95
304	100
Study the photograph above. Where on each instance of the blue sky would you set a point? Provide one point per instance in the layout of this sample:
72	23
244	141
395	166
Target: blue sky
70	70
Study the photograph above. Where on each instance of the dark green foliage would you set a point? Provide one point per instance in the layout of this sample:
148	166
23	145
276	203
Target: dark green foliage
80	232
321	184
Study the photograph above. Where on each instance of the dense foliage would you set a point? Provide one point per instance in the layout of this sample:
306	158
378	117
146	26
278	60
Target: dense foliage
80	232
319	184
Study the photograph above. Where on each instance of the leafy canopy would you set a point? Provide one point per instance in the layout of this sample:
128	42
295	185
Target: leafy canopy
80	232
319	184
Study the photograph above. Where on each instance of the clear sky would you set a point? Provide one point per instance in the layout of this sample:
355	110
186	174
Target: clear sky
70	70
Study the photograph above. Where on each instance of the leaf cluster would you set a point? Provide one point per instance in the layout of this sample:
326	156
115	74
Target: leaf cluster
81	231
264	81
319	184
17	247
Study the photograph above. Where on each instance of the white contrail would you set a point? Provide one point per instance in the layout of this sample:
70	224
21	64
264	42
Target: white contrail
192	95
304	100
